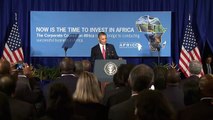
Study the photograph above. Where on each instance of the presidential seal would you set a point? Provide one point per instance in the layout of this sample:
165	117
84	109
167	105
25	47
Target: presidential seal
110	68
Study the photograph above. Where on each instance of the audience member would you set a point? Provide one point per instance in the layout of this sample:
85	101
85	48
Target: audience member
67	77
20	110
4	67
25	91
87	98
59	103
190	85
4	107
78	68
153	105
86	65
203	109
159	79
207	65
121	91
173	91
140	78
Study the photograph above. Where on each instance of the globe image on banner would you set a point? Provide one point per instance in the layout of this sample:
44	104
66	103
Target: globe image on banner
153	31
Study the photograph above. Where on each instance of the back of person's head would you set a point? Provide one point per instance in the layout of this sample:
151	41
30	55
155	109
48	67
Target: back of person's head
141	77
78	67
7	84
195	67
101	33
121	77
59	103
86	65
206	85
159	77
87	89
172	76
153	105
4	67
67	66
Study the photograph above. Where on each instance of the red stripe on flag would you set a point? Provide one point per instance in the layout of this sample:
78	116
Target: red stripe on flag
8	54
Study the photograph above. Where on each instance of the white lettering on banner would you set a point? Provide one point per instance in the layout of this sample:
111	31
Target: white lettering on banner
99	29
123	29
42	29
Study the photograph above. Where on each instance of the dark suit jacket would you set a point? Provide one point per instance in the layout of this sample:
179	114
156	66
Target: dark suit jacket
175	95
123	111
90	111
191	90
21	110
4	107
200	111
69	81
205	68
116	96
96	53
25	92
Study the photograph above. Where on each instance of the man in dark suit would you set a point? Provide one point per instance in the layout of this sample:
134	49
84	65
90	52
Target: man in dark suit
207	65
103	50
173	92
140	78
67	77
20	110
190	85
4	107
204	108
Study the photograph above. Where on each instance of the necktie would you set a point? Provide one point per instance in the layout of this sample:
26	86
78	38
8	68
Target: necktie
209	69
103	52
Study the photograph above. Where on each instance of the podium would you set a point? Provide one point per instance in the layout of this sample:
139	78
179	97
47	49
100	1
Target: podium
105	69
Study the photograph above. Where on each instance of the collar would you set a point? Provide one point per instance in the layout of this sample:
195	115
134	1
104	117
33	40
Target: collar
68	75
206	98
22	76
100	45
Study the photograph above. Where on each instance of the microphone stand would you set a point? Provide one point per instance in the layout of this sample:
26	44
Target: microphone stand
158	49
65	50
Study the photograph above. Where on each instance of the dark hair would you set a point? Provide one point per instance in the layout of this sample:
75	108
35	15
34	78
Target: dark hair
172	76
59	103
153	105
101	33
206	85
78	67
4	67
121	77
141	77
7	84
159	79
67	65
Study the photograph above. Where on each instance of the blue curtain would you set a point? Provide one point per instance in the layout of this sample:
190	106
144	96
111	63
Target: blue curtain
201	12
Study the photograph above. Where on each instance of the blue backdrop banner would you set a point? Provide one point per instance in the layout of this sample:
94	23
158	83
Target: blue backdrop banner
134	34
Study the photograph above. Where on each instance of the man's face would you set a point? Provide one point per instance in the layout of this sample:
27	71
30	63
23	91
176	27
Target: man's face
209	60
102	39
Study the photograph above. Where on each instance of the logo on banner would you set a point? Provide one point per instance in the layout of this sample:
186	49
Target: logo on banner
110	68
131	45
153	31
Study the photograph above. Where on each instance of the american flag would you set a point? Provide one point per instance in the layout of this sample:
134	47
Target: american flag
13	49
189	50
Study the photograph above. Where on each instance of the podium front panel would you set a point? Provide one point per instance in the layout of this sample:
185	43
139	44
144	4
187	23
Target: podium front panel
105	69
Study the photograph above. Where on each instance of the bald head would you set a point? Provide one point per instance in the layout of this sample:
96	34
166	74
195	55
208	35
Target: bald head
67	66
195	67
206	85
4	67
140	77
